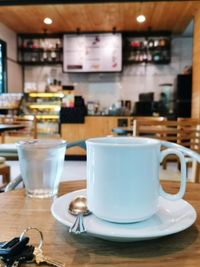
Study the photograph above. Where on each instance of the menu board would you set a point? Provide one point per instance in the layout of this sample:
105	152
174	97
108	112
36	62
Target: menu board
92	52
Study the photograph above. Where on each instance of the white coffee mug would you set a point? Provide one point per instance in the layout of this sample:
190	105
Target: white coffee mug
123	177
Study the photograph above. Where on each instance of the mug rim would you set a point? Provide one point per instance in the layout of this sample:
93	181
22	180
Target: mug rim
145	141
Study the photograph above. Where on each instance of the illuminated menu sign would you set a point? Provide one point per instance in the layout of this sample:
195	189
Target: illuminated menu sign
92	52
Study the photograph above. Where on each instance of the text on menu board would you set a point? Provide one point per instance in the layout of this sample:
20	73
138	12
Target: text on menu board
92	52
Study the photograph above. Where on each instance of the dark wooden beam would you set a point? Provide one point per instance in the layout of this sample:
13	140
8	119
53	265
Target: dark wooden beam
43	2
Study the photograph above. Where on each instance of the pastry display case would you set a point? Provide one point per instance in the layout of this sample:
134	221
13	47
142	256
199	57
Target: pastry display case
46	107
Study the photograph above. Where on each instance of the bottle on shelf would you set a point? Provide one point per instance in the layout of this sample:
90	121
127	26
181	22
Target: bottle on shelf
163	42
149	57
44	56
156	43
150	43
53	56
156	56
30	44
35	49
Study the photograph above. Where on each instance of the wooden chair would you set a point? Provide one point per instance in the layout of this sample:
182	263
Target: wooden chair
5	173
128	131
185	132
189	136
148	126
28	132
2	120
149	118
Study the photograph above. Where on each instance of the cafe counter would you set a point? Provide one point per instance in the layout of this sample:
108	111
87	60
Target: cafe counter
93	126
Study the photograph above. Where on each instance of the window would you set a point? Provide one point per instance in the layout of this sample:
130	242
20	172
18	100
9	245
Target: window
3	68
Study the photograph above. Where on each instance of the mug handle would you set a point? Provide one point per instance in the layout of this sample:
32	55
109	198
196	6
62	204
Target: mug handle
187	151
181	191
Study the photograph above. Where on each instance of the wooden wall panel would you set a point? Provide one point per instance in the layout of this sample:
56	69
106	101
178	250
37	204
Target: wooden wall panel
94	126
196	68
170	16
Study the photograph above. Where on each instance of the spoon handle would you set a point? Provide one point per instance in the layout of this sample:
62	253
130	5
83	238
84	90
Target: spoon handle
78	226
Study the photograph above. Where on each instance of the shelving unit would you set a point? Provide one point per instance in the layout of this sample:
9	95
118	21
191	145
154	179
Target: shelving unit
47	49
46	107
151	49
40	49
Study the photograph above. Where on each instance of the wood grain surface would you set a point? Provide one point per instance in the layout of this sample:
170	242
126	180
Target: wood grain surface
19	211
196	68
172	16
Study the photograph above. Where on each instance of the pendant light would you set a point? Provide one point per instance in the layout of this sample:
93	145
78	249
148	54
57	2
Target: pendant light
141	18
48	21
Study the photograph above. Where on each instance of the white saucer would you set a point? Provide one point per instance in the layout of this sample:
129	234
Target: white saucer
171	217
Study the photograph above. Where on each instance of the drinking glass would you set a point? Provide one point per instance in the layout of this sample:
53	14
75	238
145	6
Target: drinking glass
41	165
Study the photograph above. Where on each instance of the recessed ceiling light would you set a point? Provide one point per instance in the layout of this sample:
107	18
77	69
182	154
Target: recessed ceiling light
140	18
48	21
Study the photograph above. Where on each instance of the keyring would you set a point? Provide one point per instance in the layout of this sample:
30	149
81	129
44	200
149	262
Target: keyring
37	230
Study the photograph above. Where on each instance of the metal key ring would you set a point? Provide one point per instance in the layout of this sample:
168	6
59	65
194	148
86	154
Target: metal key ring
37	230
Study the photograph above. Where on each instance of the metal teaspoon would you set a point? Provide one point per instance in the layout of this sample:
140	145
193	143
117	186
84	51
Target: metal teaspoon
78	207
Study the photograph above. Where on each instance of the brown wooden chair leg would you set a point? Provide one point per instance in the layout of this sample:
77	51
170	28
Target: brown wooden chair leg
164	164
197	173
5	172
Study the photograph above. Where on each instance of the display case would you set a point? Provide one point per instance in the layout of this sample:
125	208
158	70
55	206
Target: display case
40	49
46	107
9	103
151	49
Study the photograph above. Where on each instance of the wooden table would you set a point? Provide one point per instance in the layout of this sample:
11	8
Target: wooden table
7	128
181	249
10	127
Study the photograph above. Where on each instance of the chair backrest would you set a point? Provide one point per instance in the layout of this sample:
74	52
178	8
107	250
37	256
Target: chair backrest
144	123
189	133
185	132
152	118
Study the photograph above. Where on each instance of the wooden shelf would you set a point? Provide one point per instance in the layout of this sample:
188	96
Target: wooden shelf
40	62
153	50
40	49
44	106
47	116
46	95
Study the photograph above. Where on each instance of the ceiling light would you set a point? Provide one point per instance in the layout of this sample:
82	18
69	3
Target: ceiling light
140	18
48	21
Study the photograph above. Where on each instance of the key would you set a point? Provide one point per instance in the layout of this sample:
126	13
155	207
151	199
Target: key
11	264
14	246
15	264
11	250
24	256
40	258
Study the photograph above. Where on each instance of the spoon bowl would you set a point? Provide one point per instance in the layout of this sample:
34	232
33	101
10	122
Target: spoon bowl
78	207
